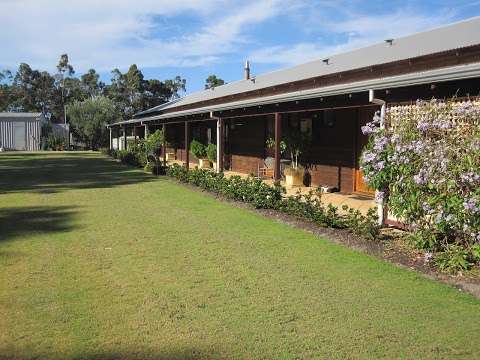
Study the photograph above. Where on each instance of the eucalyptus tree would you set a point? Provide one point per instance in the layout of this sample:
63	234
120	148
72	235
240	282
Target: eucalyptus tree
213	81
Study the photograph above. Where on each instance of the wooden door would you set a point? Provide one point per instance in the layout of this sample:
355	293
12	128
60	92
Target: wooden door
364	115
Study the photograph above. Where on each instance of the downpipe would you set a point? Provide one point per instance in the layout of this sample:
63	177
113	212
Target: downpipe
382	103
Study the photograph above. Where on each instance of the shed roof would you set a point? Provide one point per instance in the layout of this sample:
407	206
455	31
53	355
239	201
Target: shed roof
21	116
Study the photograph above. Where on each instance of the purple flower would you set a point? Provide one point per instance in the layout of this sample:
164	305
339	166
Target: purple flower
427	208
380	143
471	205
421	177
367	130
379	196
467	109
379	166
470	177
368	156
423	126
427	257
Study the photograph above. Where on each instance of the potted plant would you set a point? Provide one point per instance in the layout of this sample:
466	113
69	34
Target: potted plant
296	143
169	156
200	152
211	150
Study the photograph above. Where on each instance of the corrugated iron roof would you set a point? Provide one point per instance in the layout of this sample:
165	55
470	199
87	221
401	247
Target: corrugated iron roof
455	36
19	116
458	72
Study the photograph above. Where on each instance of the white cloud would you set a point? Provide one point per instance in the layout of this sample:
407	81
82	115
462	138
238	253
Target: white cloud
356	31
116	33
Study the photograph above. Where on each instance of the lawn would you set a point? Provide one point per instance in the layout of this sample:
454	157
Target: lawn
101	261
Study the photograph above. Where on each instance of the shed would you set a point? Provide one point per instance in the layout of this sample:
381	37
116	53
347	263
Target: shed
20	131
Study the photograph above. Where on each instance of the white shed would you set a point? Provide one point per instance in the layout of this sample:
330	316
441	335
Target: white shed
20	131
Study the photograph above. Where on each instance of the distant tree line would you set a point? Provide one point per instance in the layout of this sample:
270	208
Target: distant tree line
87	103
35	90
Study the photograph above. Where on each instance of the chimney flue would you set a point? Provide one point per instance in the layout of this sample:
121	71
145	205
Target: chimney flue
246	70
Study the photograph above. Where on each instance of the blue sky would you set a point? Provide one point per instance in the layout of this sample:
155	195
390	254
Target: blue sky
194	38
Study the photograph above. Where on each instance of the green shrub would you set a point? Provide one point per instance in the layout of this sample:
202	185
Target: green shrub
154	168
154	142
55	142
426	167
198	149
211	151
263	196
454	259
475	251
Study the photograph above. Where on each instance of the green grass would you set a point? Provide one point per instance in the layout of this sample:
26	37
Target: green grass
101	261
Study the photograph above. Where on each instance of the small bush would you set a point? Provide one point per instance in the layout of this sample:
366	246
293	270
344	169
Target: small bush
153	143
198	149
211	151
154	168
56	143
454	259
263	196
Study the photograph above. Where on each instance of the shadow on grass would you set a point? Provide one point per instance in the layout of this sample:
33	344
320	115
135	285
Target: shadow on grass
20	221
54	172
180	354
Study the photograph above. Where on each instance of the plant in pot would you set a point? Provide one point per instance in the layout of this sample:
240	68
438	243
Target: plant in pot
173	144
296	144
200	152
271	145
211	150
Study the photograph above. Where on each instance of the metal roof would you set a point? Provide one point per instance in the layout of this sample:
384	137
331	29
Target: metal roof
158	107
459	72
455	36
126	122
21	116
437	75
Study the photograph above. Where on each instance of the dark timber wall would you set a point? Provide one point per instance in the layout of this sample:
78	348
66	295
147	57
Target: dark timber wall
245	144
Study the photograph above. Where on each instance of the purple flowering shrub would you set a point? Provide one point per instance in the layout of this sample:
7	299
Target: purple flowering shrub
426	166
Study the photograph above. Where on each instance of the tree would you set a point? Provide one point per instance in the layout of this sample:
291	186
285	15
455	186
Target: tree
175	86
132	93
89	118
5	89
90	84
23	88
157	92
213	81
34	90
64	68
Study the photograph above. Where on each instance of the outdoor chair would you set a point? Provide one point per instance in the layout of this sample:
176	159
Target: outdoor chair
266	171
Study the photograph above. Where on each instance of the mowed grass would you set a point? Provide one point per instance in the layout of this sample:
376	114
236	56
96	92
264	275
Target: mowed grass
101	261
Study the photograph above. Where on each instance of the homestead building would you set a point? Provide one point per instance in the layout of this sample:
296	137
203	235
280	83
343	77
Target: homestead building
328	100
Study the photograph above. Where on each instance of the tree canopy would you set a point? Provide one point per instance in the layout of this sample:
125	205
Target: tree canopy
213	81
89	119
89	102
34	90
